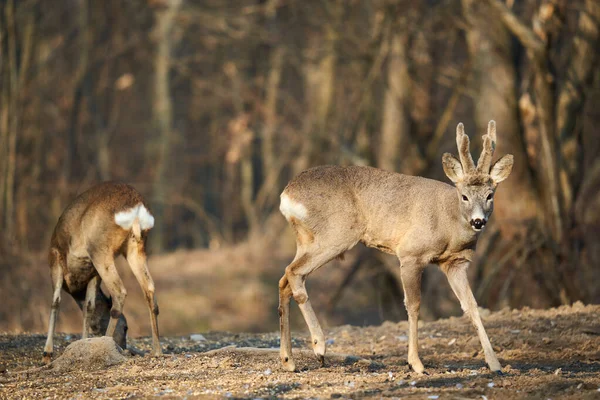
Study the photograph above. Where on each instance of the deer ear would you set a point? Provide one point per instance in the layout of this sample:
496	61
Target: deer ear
502	168
452	168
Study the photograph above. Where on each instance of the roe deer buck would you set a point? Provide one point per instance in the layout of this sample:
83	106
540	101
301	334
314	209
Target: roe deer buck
421	221
105	221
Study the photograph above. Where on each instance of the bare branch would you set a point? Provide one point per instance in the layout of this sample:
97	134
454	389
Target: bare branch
526	35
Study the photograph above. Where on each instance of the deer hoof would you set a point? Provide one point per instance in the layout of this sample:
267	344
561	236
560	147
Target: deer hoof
47	358
157	353
288	364
417	366
321	359
319	348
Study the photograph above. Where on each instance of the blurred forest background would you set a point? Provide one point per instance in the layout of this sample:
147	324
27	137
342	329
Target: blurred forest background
209	107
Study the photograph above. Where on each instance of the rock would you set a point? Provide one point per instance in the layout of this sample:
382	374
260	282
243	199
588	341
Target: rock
484	312
197	337
89	354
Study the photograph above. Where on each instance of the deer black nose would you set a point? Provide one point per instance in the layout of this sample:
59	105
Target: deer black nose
478	223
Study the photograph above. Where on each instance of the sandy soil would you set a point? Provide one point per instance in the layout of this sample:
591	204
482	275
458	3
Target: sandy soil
546	354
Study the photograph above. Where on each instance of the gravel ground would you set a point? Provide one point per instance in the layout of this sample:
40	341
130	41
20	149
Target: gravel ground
551	353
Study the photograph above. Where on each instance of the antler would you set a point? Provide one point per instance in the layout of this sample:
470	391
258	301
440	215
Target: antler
489	145
462	142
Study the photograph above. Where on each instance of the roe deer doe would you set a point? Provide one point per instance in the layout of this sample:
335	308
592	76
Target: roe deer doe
107	220
420	220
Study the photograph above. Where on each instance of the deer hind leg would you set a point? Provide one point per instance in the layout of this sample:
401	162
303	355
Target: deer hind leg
457	276
136	257
89	306
296	274
410	273
56	272
105	266
285	294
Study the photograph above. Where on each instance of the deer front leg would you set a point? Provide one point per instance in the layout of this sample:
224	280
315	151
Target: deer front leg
285	293
411	272
105	266
56	272
457	276
89	306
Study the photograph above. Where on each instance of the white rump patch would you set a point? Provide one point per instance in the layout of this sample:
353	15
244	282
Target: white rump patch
125	219
290	208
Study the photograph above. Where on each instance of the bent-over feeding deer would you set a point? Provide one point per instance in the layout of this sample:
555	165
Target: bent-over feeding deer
420	220
107	220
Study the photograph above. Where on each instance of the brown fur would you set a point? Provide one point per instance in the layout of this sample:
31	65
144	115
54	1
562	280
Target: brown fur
85	242
478	180
420	220
303	235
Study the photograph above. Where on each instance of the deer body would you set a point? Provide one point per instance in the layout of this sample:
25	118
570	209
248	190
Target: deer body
108	220
421	221
378	208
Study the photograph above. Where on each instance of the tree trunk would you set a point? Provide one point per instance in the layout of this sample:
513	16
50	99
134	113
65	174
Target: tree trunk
494	83
583	61
163	114
272	91
12	116
319	77
395	143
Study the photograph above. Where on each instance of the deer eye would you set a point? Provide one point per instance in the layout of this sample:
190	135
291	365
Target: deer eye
465	198
490	196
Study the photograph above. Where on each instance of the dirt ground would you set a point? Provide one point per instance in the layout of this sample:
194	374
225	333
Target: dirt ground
545	353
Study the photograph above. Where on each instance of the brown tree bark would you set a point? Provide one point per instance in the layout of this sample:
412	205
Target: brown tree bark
494	84
583	61
272	91
395	143
319	77
163	113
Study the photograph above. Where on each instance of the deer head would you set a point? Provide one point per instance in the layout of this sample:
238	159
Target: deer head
476	184
100	318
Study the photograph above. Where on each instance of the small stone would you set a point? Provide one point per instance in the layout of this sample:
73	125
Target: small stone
329	342
267	371
197	337
459	386
450	343
490	385
402	338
